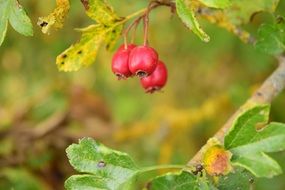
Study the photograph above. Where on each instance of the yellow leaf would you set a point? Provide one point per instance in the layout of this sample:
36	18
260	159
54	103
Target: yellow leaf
82	53
55	19
101	12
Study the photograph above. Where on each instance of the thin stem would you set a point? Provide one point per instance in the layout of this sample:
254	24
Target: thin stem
134	24
159	167
125	42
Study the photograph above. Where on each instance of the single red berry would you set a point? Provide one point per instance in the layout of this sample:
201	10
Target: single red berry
120	62
156	80
143	61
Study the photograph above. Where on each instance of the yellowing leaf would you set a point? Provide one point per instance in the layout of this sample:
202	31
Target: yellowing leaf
112	37
100	11
84	52
217	160
108	29
56	19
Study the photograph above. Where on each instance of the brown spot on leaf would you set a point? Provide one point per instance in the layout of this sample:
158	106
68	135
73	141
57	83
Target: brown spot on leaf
79	52
217	161
85	4
64	56
43	24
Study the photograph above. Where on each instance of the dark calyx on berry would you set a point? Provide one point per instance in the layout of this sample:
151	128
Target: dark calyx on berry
143	61
120	62
156	80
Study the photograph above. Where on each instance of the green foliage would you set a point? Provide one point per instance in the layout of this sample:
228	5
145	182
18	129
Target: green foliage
12	11
104	168
236	180
249	145
187	15
110	168
181	181
84	52
271	38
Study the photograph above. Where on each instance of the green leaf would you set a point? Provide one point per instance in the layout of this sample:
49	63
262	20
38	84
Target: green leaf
108	29
106	168
239	179
271	38
4	15
216	3
243	128
269	139
12	11
249	144
259	164
19	19
87	181
187	15
179	181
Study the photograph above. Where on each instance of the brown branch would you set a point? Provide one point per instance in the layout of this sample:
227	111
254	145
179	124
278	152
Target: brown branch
272	86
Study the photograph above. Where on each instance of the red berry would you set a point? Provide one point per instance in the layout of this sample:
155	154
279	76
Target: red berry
143	61
120	62
156	80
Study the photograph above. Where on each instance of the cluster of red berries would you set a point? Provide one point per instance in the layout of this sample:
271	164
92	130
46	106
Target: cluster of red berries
141	61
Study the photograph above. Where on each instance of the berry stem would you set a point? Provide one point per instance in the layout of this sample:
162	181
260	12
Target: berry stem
146	24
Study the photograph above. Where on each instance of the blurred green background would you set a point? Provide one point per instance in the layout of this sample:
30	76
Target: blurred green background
42	110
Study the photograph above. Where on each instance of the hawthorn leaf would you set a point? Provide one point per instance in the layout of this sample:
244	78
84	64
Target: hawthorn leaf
240	11
55	19
259	164
19	19
243	128
4	15
108	29
101	12
187	15
12	11
82	53
269	139
249	144
104	168
236	180
112	37
180	181
271	38
216	3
